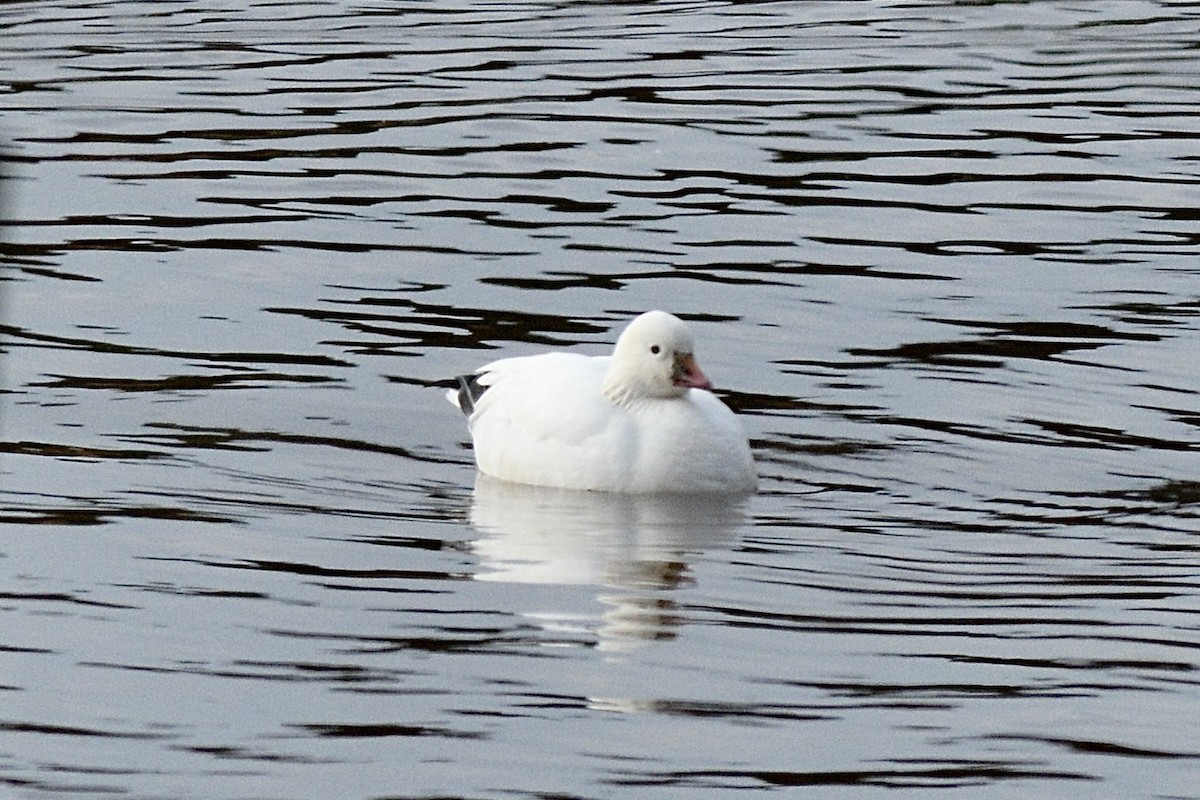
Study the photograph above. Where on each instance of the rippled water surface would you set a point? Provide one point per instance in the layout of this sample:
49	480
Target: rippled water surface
941	257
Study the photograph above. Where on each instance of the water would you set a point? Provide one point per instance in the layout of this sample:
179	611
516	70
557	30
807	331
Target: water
940	257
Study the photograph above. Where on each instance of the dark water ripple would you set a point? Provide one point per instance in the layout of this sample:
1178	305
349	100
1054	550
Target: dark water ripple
940	257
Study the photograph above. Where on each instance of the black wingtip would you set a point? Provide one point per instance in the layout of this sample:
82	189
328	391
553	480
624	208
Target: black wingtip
469	390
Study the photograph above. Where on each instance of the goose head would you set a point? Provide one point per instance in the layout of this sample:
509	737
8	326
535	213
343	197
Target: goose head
654	359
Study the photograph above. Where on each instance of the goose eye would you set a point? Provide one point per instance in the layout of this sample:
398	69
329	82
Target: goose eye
655	349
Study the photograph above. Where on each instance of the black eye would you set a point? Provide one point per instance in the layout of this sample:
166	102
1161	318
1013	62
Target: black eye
654	349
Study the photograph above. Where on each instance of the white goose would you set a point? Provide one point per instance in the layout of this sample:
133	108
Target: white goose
642	420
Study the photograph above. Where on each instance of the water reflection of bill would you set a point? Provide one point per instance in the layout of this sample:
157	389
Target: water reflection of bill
634	549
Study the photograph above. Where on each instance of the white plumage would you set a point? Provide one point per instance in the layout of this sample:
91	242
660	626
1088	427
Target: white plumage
641	420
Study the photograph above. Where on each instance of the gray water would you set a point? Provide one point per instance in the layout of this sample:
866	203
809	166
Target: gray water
940	257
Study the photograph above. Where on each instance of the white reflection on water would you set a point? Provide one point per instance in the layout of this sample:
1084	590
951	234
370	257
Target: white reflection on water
634	548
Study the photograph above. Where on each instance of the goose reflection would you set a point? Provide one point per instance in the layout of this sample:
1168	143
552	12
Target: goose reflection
633	548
